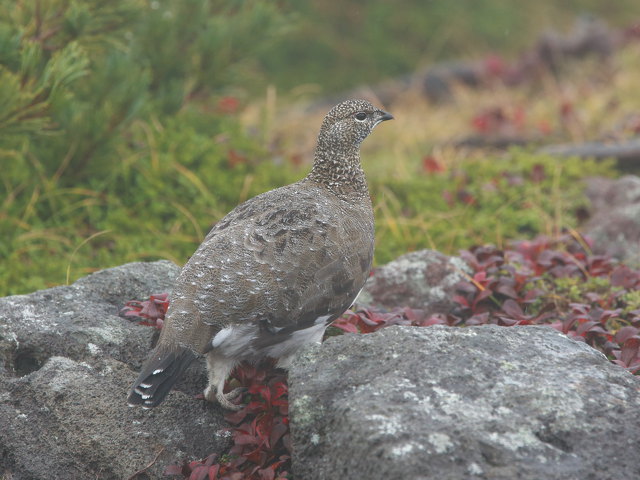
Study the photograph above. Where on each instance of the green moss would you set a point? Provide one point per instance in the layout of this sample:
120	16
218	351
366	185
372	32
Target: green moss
574	289
631	301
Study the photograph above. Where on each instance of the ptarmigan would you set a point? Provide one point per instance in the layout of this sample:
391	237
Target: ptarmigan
274	272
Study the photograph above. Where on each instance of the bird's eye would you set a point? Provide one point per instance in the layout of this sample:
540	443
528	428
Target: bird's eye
361	116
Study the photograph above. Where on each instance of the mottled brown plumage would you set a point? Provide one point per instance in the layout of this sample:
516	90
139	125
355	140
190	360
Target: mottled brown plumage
273	273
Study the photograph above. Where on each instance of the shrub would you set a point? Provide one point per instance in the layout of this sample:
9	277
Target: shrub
115	127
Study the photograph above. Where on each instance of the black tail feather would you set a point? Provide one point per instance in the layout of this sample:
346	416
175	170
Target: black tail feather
159	373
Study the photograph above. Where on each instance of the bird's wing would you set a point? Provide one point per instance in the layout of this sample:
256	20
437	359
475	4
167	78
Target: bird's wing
284	258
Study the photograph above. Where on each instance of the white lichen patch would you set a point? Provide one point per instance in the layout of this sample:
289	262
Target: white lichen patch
109	334
450	402
307	410
441	442
385	424
508	366
474	469
521	438
550	397
411	396
437	292
458	265
9	336
27	314
405	449
402	382
94	349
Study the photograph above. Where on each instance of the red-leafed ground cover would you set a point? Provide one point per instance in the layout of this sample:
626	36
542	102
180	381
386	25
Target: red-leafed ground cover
557	282
261	441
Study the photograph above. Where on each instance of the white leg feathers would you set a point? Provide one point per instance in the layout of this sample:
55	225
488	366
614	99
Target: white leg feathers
219	369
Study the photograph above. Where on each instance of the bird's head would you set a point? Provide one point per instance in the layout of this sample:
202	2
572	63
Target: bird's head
350	122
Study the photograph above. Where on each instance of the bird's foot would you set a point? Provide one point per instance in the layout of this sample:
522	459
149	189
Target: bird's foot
224	399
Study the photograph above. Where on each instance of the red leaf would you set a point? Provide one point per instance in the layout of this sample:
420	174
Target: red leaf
266	474
173	469
435	319
280	388
480	297
461	300
151	310
590	326
345	324
479	319
537	173
234	158
246	440
625	333
431	164
506	290
199	473
532	295
511	307
213	471
228	105
623	276
277	432
629	352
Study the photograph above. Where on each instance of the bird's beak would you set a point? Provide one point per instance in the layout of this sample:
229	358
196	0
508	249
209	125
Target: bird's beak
384	116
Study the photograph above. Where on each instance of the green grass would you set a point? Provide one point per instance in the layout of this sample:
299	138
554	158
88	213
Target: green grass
114	147
157	203
161	203
488	200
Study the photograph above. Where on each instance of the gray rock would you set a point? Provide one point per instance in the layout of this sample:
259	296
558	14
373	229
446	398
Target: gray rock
424	279
462	403
614	225
80	321
67	361
605	193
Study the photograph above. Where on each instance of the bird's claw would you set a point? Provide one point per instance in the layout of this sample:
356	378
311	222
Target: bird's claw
225	399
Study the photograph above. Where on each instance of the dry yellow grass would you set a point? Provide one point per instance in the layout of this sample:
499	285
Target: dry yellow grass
602	96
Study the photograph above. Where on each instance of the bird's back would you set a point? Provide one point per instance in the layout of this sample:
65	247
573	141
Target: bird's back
281	260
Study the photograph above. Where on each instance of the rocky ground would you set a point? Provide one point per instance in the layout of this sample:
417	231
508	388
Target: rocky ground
450	403
67	361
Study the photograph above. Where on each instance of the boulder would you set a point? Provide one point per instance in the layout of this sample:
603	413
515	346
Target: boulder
614	225
423	280
491	403
67	361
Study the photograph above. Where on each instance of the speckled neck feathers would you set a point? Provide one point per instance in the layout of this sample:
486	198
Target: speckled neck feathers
337	167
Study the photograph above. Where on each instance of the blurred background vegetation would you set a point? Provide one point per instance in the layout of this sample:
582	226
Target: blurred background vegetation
128	127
